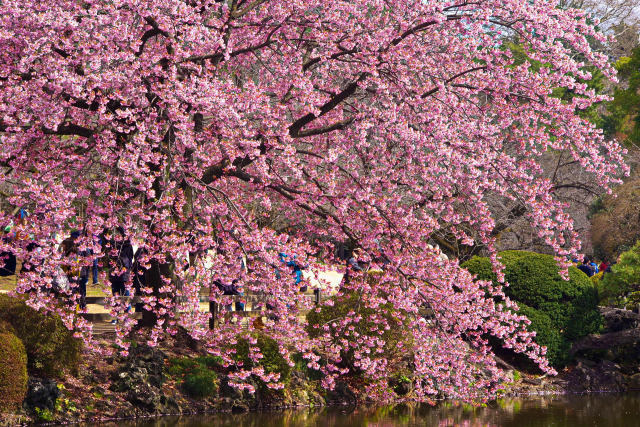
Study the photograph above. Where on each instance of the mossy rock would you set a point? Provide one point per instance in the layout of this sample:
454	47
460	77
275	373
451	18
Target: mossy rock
563	311
13	372
51	348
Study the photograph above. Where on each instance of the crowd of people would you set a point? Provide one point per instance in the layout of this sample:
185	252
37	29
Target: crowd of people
123	263
75	272
589	267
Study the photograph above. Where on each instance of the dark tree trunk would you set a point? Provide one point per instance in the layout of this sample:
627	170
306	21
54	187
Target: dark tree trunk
153	278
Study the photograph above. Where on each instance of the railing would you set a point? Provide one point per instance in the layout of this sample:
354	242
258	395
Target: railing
253	305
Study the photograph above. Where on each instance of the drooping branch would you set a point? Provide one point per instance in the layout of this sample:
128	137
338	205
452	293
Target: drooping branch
239	13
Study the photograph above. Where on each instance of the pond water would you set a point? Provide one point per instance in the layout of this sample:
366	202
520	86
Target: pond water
572	410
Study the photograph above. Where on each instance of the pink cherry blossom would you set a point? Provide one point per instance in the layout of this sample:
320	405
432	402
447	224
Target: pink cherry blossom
195	125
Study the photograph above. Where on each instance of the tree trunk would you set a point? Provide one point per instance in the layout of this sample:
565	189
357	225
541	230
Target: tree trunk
153	278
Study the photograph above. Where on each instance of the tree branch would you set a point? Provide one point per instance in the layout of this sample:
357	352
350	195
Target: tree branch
296	127
450	79
325	129
220	55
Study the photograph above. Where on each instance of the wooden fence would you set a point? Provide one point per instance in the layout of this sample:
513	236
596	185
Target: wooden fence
253	305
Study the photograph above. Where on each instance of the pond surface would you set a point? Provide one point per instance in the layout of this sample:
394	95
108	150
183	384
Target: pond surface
573	410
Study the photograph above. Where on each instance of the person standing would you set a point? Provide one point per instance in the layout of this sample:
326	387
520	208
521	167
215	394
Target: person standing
121	253
8	259
73	268
296	269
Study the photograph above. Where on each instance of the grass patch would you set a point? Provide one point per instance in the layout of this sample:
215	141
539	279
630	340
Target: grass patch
197	376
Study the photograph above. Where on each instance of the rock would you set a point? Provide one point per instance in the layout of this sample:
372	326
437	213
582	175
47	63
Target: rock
299	398
149	358
401	385
633	382
239	407
532	380
184	340
617	319
315	399
141	377
234	394
229	392
607	341
152	400
42	394
342	393
403	388
503	364
604	376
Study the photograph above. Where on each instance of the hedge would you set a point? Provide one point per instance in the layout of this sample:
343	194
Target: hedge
547	334
51	348
13	372
272	360
198	379
534	281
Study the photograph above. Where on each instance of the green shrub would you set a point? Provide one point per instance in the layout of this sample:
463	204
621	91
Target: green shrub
272	360
197	378
570	308
517	376
182	365
397	339
632	301
13	372
301	365
200	383
547	334
623	279
211	362
51	348
596	278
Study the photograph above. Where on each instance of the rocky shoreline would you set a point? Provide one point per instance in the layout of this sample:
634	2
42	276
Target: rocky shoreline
137	386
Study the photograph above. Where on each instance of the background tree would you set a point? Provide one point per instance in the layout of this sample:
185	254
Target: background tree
384	123
570	183
618	18
615	220
624	120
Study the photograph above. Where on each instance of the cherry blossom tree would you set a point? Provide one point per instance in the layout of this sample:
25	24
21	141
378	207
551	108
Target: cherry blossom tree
186	122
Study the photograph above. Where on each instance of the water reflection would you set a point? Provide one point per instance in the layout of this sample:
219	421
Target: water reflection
573	410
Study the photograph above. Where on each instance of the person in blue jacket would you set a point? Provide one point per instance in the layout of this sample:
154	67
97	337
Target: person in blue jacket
296	269
586	268
593	266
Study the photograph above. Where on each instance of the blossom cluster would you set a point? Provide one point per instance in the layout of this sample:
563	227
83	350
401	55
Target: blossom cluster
198	125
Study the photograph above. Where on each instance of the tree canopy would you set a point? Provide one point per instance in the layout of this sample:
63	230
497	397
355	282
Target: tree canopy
624	118
187	122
